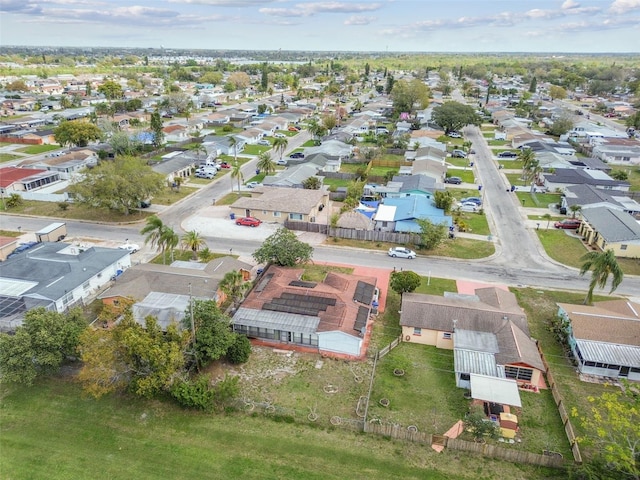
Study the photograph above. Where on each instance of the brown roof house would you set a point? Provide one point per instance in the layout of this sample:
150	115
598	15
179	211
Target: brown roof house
330	317
488	333
604	338
276	204
164	291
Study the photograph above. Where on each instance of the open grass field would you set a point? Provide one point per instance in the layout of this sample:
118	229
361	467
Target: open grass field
538	200
475	222
51	431
75	212
7	157
36	149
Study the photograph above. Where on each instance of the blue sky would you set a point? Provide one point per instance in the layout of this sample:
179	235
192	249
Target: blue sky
384	25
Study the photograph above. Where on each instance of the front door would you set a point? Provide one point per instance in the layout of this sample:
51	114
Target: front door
624	371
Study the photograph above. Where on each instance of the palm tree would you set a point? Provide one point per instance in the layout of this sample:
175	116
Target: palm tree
575	209
153	231
234	286
602	264
266	163
280	145
168	241
547	217
193	241
233	143
236	172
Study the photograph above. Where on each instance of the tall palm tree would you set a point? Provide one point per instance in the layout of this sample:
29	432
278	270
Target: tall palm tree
153	231
601	264
280	145
575	209
233	143
236	172
193	241
234	286
265	163
169	241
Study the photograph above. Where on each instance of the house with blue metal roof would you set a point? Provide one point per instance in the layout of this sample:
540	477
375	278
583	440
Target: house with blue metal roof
400	214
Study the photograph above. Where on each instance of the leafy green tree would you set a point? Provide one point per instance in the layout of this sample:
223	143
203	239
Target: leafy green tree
156	128
477	423
329	122
533	85
613	421
111	90
123	144
234	286
431	234
144	360
193	241
561	125
14	200
40	346
404	281
77	132
283	248
213	331
409	95
556	92
452	116
266	164
120	184
280	145
602	265
633	121
443	200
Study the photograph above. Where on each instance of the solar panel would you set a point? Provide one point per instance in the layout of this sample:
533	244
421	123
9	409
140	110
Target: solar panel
289	309
361	319
303	284
264	282
364	292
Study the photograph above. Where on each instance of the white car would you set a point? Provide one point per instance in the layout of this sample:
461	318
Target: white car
279	135
264	142
454	135
402	252
131	247
281	161
253	184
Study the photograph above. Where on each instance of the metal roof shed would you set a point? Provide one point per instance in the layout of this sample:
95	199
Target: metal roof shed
495	390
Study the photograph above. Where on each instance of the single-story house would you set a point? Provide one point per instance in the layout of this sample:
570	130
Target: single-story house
604	338
329	317
275	205
494	335
68	164
56	276
587	196
250	136
609	228
176	164
17	180
399	214
565	177
176	133
221	145
163	290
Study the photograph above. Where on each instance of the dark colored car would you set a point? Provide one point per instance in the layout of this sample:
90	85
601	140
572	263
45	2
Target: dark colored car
297	155
145	204
21	248
507	155
569	223
476	200
453	180
248	222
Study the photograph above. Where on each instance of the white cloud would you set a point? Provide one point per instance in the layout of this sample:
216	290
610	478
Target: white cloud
359	20
568	4
624	6
310	9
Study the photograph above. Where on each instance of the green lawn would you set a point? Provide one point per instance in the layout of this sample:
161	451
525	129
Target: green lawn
169	196
255	149
458	162
497	143
7	157
36	149
351	167
476	222
467	175
436	286
75	212
511	164
538	200
334	183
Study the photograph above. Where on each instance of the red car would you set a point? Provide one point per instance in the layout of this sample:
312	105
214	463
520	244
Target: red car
569	223
294	129
225	165
248	222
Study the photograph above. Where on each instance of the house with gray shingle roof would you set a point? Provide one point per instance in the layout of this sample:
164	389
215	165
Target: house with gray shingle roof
607	228
493	331
604	337
588	196
56	276
565	177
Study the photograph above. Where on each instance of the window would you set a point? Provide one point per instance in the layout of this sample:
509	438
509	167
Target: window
519	373
446	335
465	376
295	216
623	247
417	331
277	214
86	285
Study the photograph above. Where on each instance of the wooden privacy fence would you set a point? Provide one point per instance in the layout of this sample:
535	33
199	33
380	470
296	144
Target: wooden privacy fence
562	410
353	234
398	432
508	454
382	352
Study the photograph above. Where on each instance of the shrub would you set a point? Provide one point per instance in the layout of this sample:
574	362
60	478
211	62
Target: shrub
239	350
